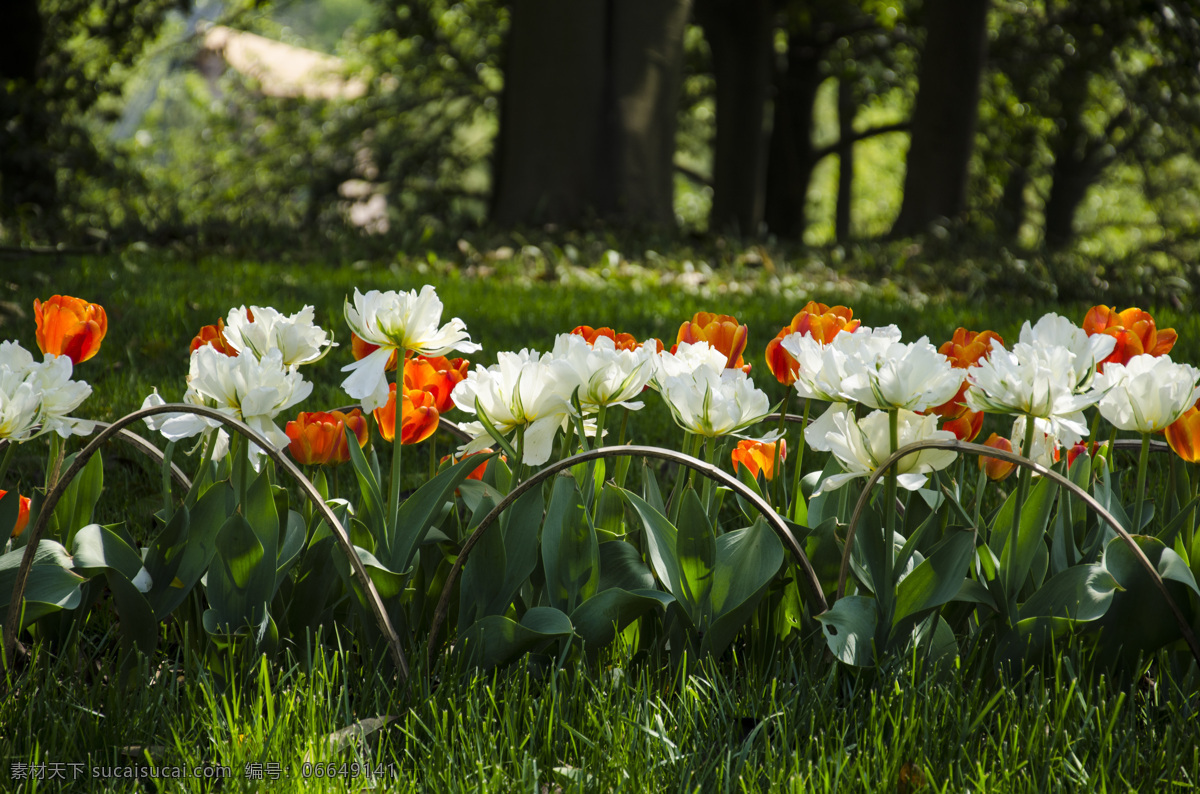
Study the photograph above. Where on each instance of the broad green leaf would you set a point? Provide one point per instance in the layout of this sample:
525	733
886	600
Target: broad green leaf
371	507
660	543
610	517
182	551
972	591
51	585
849	627
261	513
747	561
570	553
696	550
139	627
389	583
1035	518
241	579
10	509
650	491
936	580
294	536
496	640
74	510
97	549
598	619
621	567
417	513
1082	593
1139	619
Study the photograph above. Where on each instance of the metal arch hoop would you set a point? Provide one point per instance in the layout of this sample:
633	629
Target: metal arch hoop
979	450
777	524
358	571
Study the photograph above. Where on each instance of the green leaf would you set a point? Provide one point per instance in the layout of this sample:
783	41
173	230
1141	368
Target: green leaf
371	508
97	549
1035	518
696	550
660	543
294	536
139	627
261	513
74	510
10	510
598	619
936	580
570	550
849	627
182	551
747	561
417	513
51	585
621	567
1082	593
496	640
1139	619
241	580
650	491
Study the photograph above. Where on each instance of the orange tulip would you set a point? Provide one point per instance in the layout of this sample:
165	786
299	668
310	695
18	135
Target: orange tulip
361	349
995	468
1184	435
622	341
966	425
758	456
214	336
1134	331
319	438
69	327
721	331
22	514
437	375
819	321
965	349
418	416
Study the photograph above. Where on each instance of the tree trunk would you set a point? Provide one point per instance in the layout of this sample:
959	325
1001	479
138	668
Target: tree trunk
943	124
739	33
588	112
847	110
791	157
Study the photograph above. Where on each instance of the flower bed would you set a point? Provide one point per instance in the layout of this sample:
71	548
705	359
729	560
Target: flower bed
541	536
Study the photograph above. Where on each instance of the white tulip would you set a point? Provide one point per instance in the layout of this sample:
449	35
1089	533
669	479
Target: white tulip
687	359
522	390
890	374
1038	380
19	402
714	404
1147	394
860	446
297	338
606	375
59	395
397	321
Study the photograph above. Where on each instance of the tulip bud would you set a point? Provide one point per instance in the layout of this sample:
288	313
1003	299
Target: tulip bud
996	469
69	327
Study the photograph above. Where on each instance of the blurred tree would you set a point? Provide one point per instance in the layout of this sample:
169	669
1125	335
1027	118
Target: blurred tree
740	35
943	122
1098	83
60	60
866	47
588	114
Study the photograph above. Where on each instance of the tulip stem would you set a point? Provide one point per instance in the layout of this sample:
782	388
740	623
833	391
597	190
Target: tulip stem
10	448
1143	464
883	590
1022	492
397	447
776	487
797	496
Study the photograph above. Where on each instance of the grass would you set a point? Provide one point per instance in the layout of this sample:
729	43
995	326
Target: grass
623	725
618	726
